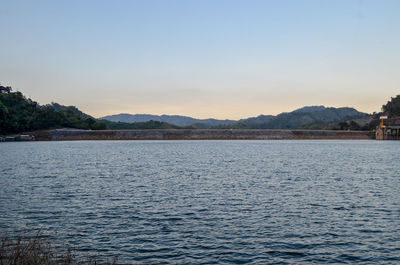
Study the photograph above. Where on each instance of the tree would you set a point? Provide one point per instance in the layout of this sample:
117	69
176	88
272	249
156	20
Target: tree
392	107
354	126
343	125
3	115
3	111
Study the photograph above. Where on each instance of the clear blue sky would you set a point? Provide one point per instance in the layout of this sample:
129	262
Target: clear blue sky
223	59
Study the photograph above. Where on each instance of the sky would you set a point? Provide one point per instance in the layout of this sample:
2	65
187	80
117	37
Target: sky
221	59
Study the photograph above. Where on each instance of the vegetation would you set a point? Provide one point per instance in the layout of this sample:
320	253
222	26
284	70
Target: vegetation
61	108
307	118
352	125
312	117
139	125
37	250
20	114
177	120
392	107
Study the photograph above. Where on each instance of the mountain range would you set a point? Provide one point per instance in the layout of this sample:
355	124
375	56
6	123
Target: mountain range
310	116
21	114
171	119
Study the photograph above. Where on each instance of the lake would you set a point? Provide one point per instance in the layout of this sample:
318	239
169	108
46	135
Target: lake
202	202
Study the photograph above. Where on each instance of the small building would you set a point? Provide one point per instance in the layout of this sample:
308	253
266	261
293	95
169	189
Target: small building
5	89
388	133
388	129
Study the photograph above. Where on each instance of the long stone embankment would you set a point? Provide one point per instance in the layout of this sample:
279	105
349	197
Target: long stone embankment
72	134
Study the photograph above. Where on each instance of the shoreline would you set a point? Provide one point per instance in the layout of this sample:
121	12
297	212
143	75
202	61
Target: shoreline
199	134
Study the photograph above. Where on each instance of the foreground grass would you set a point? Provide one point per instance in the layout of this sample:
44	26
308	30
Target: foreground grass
37	250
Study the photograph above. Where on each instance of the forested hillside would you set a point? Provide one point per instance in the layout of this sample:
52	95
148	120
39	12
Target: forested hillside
139	125
392	107
177	120
312	117
20	114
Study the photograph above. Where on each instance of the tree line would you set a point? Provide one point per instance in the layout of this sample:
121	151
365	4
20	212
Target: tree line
20	114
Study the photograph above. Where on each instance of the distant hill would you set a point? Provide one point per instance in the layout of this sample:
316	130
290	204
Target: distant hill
310	109
313	117
254	122
21	114
171	119
310	117
147	125
61	108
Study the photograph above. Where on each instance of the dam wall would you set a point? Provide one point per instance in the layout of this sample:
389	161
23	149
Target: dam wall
202	134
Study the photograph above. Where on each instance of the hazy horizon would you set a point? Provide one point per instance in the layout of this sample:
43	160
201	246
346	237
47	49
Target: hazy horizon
204	59
220	118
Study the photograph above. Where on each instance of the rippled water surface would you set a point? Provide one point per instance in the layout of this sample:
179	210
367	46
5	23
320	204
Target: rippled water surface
200	202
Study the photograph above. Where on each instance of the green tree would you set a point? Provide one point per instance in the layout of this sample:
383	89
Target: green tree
392	107
354	126
3	114
3	111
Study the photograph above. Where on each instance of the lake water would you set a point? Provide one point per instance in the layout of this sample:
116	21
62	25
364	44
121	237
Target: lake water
195	202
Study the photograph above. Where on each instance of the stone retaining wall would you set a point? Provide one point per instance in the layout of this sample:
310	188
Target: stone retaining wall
72	134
